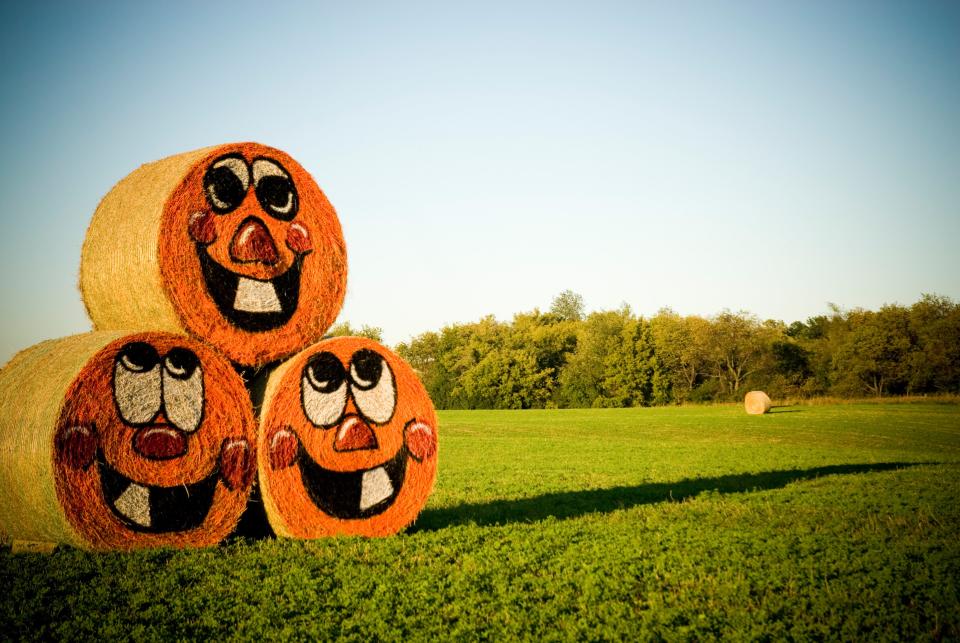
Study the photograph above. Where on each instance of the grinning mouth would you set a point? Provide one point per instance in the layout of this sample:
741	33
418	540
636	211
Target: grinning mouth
156	509
353	494
252	304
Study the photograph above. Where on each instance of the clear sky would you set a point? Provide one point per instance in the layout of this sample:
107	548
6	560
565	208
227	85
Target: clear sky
766	156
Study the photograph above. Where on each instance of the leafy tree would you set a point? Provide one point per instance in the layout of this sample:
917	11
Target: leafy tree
874	355
738	345
344	329
568	305
681	345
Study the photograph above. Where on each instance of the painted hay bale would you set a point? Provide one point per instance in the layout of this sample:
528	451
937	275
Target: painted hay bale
235	244
348	442
756	403
114	441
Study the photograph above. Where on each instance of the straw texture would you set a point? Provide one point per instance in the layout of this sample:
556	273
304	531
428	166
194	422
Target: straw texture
128	441
235	244
756	403
32	388
348	442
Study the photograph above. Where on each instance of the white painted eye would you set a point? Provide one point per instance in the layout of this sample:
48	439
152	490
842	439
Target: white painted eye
183	389
373	388
136	383
324	390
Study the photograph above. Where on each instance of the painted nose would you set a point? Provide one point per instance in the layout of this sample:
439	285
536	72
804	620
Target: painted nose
160	442
354	434
252	243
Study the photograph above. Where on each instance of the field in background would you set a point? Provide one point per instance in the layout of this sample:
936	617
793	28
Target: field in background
812	521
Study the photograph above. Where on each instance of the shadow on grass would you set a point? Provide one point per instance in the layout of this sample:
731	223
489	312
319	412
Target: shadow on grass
570	504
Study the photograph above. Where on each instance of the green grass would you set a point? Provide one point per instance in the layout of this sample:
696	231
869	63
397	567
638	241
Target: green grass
681	523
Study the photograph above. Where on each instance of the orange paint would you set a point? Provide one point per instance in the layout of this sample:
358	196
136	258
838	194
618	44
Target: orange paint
251	253
348	442
151	419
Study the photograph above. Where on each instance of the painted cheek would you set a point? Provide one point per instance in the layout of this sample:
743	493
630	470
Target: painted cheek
77	446
298	239
421	440
236	465
202	228
283	448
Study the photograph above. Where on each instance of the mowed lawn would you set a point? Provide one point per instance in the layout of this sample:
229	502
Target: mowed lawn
677	523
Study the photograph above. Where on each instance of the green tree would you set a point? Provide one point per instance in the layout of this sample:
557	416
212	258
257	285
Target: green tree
874	356
681	345
344	329
568	305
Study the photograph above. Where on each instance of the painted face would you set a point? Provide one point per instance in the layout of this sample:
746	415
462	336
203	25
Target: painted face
350	442
252	253
154	445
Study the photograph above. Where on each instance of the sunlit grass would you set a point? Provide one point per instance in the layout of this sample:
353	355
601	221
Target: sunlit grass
699	522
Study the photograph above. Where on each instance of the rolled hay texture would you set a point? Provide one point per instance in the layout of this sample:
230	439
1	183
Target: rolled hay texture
115	441
234	244
756	403
348	442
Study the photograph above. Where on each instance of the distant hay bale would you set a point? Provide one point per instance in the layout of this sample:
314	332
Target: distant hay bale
115	441
348	442
757	403
234	244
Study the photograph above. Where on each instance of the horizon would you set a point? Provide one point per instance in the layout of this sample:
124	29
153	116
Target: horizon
702	157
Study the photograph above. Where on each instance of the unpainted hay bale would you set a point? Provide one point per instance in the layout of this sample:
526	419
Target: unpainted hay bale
235	244
114	441
756	403
348	442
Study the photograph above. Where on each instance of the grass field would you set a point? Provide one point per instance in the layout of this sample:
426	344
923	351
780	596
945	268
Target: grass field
838	522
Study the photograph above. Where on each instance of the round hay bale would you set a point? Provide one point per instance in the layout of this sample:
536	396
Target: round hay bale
114	441
235	244
756	403
348	442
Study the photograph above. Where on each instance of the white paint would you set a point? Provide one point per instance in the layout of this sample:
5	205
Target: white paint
256	297
134	503
375	488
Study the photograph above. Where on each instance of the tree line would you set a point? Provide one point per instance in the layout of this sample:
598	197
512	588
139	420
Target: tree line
615	358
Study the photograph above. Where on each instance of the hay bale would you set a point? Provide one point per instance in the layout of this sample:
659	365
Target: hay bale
234	244
114	441
348	442
756	403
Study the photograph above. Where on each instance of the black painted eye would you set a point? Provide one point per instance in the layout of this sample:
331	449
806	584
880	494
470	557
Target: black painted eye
138	357
325	373
365	369
181	363
226	183
275	189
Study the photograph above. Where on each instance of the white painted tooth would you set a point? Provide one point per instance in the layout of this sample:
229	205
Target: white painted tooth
134	503
256	297
374	488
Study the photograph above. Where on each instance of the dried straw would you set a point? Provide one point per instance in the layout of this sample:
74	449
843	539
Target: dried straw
356	495
156	244
64	440
32	388
757	403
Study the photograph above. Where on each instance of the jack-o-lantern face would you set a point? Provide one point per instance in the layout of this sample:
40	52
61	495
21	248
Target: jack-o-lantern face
252	253
155	445
350	442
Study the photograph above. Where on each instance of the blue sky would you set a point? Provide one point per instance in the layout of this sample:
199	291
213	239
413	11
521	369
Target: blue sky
763	156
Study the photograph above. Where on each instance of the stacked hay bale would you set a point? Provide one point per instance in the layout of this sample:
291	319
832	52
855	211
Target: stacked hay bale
120	441
348	444
196	267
